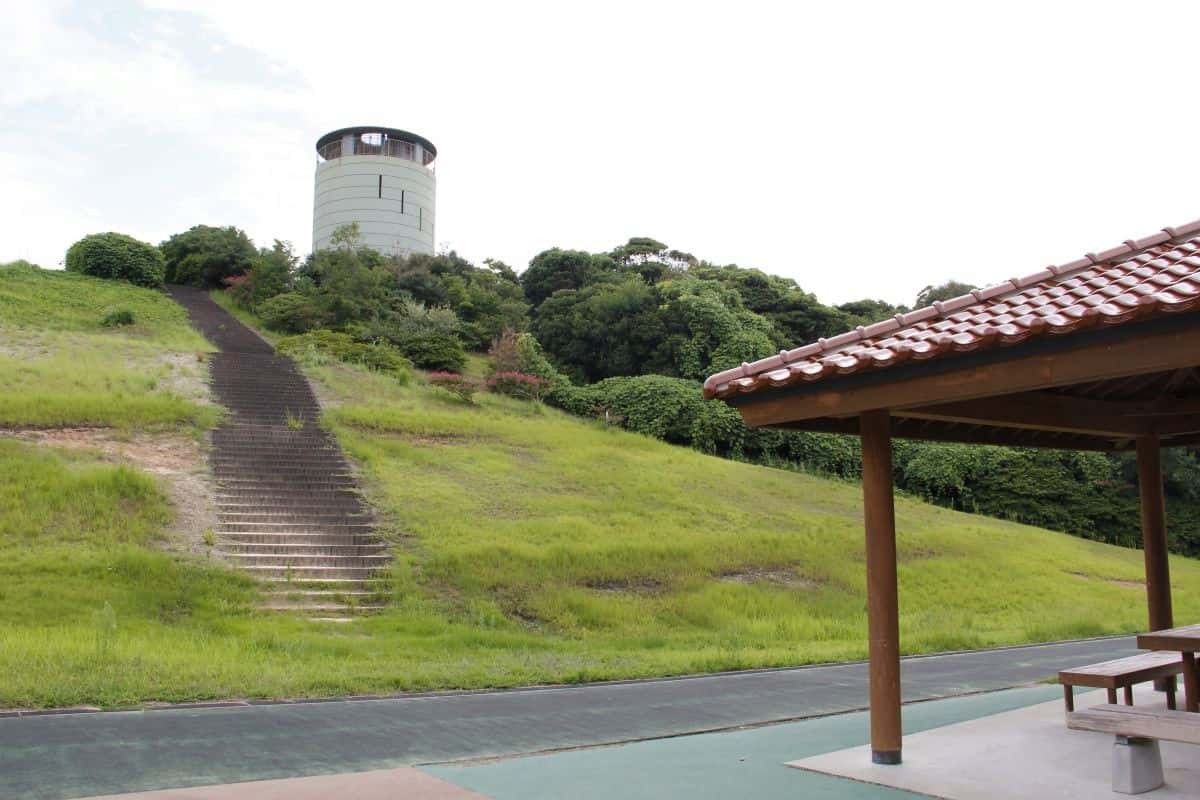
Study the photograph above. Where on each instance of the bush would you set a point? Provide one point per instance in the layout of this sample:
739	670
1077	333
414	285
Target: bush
205	256
432	350
340	346
116	319
116	256
531	360
291	312
460	386
518	384
504	352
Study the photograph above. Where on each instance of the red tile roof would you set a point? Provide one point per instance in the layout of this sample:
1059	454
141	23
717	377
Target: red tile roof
1157	275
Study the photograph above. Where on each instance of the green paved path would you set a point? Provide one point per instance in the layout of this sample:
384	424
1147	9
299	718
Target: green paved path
57	757
746	763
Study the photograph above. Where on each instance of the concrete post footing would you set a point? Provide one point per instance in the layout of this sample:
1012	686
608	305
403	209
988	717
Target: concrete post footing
1136	765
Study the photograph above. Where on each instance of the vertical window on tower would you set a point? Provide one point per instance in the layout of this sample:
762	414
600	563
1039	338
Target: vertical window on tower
381	187
401	201
421	218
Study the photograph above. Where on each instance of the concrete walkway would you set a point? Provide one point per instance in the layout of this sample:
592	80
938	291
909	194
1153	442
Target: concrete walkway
89	754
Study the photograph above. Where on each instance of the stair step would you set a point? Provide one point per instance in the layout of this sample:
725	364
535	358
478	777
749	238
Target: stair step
283	470
298	538
280	529
305	580
283	521
311	560
324	607
256	481
267	496
294	506
283	594
291	549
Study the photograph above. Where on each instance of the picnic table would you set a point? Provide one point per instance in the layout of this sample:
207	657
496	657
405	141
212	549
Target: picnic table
1184	640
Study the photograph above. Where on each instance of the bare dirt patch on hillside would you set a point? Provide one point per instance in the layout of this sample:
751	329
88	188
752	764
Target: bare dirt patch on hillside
780	576
1114	581
177	461
186	376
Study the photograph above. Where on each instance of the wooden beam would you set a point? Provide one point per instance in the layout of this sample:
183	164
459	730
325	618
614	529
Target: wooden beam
1042	411
1046	413
935	431
1107	359
883	614
1154	533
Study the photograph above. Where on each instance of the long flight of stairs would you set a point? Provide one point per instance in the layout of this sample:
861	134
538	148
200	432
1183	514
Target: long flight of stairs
288	508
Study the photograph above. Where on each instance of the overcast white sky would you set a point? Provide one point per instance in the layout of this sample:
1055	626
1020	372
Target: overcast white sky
862	148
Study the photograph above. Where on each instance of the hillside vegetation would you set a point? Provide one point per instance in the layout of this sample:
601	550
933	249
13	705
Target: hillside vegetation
531	547
67	356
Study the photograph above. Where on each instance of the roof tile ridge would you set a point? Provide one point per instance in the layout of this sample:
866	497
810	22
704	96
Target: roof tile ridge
941	308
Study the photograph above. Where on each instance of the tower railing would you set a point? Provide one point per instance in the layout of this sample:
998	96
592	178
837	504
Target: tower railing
392	148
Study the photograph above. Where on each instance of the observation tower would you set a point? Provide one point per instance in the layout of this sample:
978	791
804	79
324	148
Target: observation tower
381	178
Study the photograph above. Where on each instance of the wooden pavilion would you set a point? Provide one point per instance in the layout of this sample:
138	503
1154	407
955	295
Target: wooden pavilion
1102	353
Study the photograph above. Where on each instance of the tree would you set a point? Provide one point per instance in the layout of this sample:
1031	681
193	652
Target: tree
206	256
554	270
486	299
707	330
117	257
601	330
347	237
943	291
798	316
865	312
271	273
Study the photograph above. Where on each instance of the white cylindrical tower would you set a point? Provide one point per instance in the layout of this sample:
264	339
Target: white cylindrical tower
381	178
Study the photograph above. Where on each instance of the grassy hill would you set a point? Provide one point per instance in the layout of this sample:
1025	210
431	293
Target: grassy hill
531	546
61	365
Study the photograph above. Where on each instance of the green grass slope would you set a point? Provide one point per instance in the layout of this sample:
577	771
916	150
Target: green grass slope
60	366
656	559
530	547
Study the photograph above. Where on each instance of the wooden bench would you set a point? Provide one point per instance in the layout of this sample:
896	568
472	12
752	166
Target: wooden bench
1137	763
1123	673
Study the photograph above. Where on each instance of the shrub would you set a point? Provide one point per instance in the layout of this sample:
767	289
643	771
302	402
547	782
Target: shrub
460	386
531	360
205	256
291	312
518	384
340	346
118	318
426	335
504	352
271	273
117	257
432	350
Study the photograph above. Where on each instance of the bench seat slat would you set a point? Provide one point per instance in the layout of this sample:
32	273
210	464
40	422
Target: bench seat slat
1173	726
1122	671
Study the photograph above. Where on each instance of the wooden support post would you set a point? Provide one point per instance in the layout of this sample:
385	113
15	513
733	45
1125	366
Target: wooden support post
1154	533
883	616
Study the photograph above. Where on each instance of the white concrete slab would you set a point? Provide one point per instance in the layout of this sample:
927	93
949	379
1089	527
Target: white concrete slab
1026	753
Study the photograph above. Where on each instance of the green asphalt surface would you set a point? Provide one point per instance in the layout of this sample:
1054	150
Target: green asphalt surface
733	764
56	757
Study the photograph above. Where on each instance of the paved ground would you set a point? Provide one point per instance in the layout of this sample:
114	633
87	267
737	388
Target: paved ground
88	754
735	764
738	763
977	759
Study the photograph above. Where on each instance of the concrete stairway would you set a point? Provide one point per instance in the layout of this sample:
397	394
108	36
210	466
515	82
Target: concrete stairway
288	508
